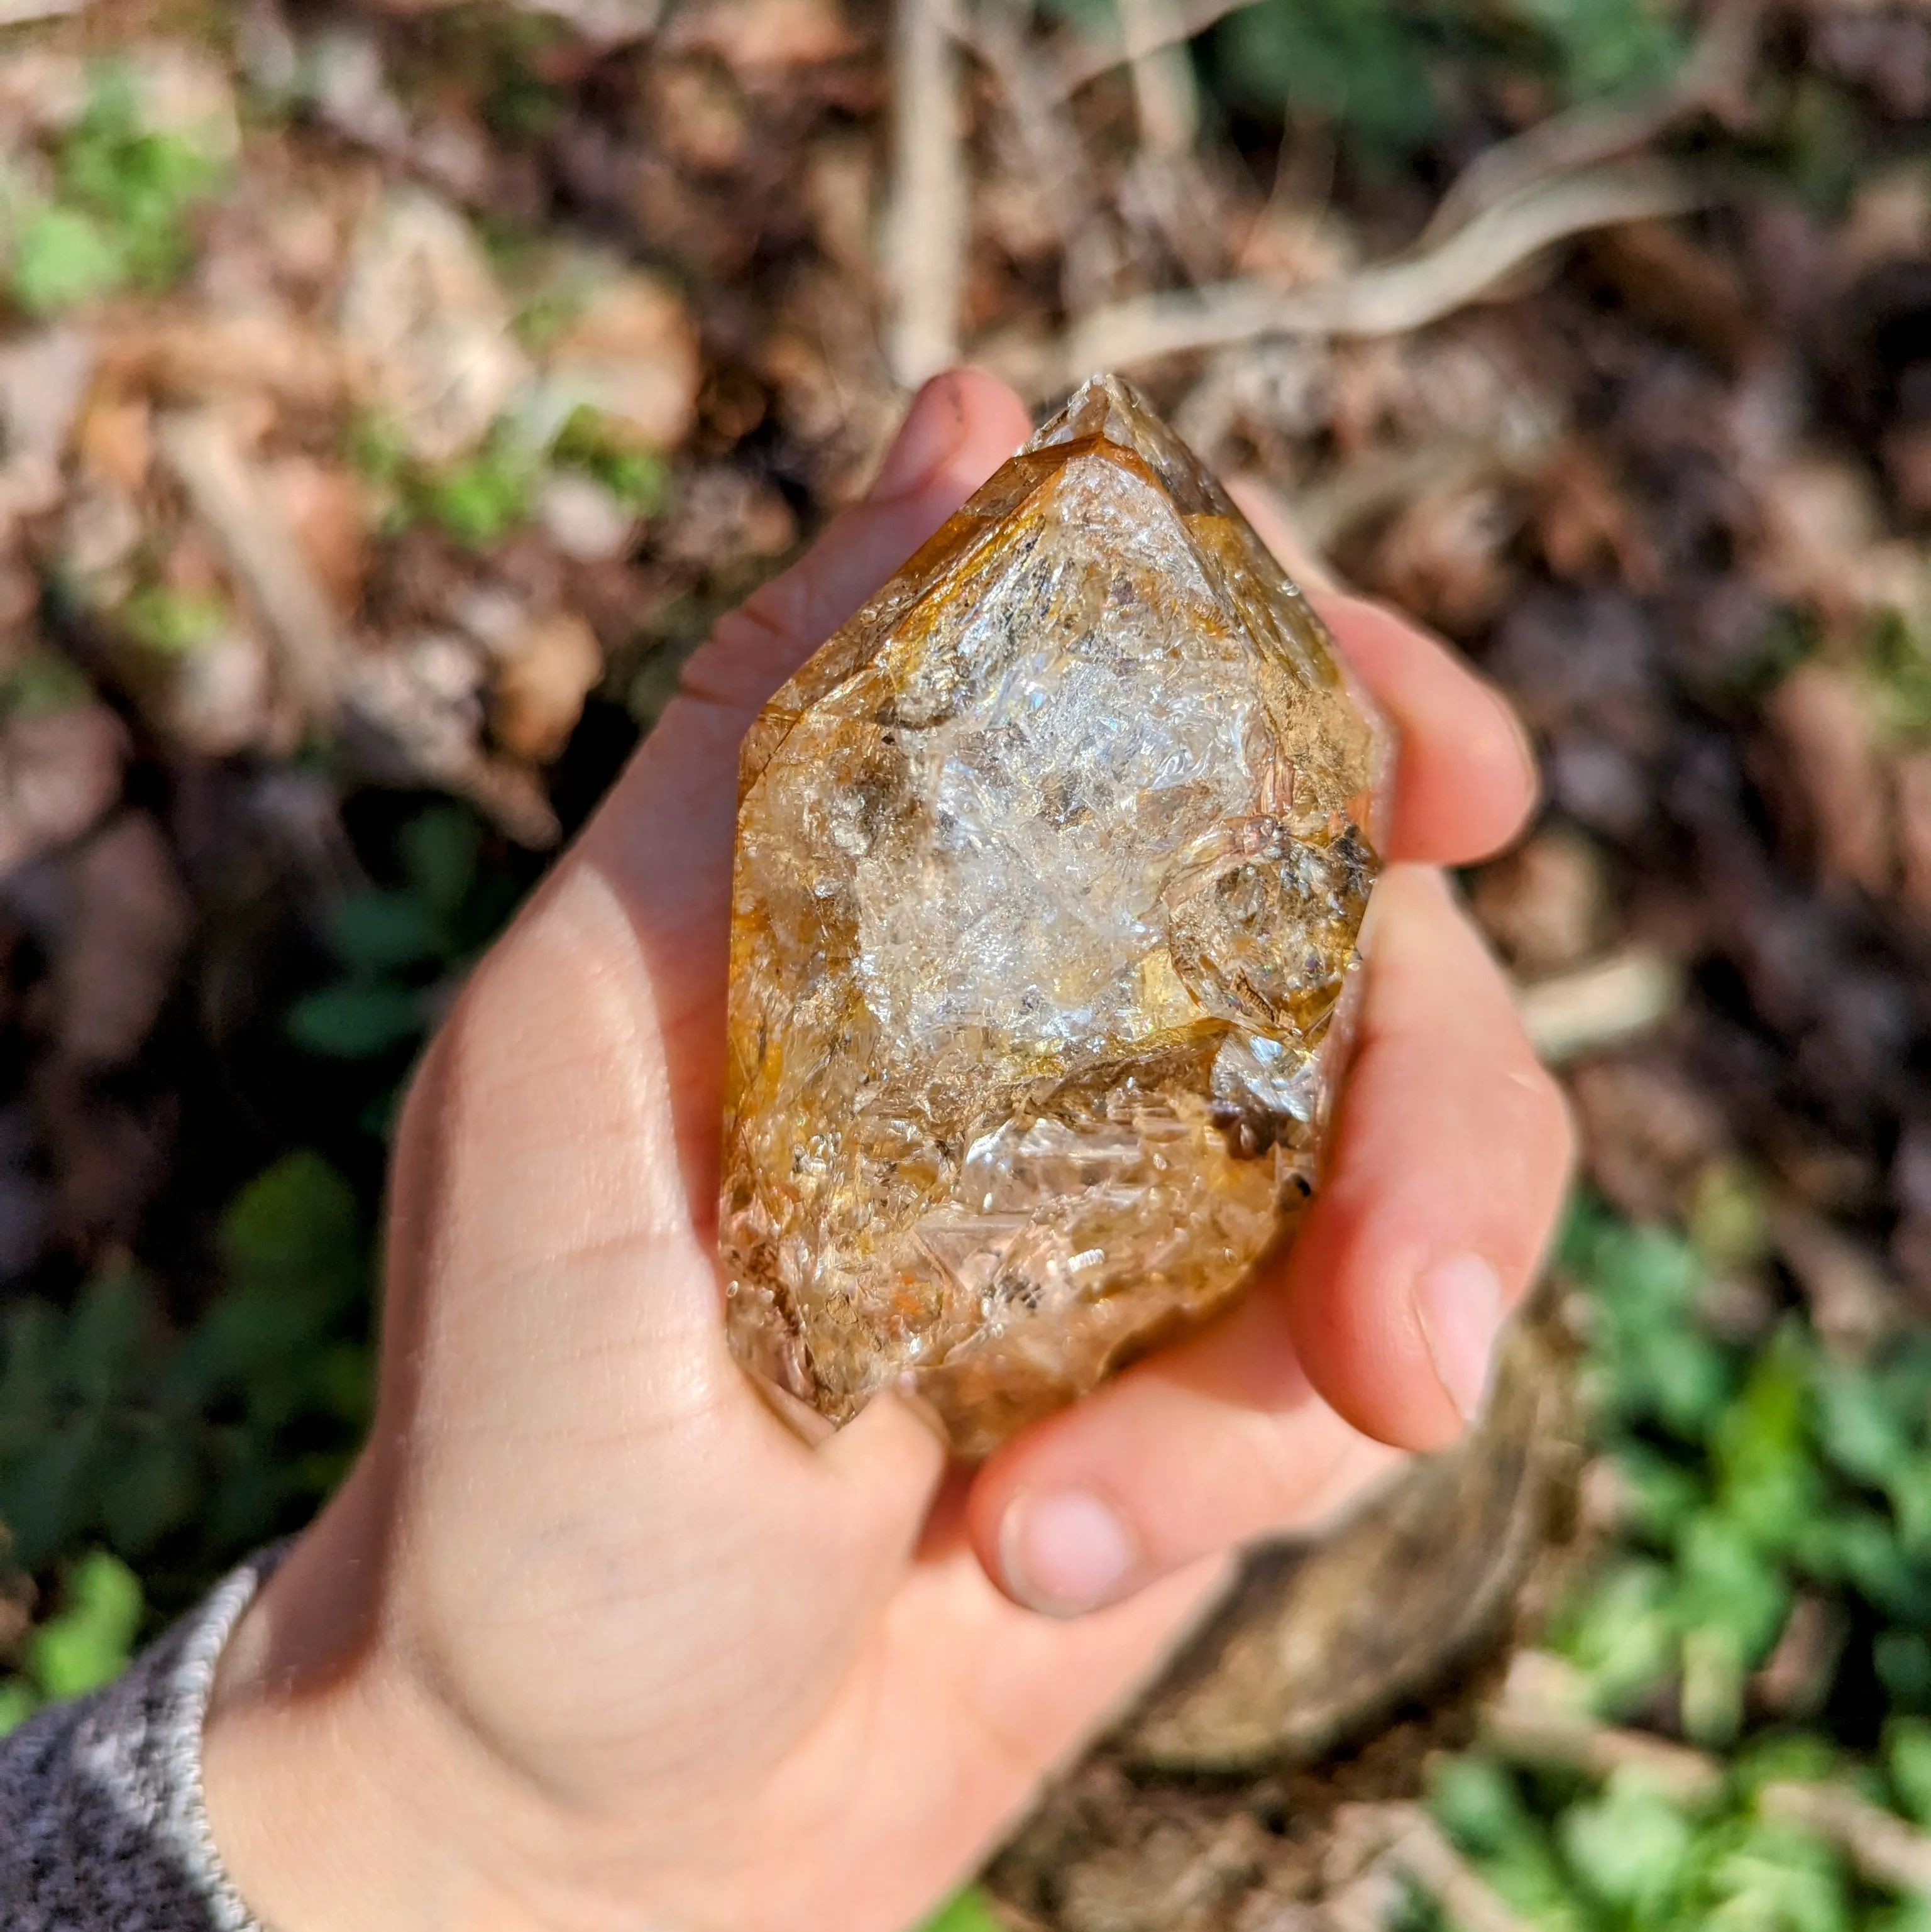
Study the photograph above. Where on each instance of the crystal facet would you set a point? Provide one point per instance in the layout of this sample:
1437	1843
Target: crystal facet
1050	865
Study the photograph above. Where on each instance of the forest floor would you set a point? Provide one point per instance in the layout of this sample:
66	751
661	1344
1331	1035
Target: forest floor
391	395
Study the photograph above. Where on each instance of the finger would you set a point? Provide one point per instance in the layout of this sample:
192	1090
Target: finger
960	427
664	834
627	941
661	840
1188	1453
1449	1164
1448	1167
1465	777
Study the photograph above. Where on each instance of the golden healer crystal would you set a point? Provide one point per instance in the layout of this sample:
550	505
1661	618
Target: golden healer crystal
1051	867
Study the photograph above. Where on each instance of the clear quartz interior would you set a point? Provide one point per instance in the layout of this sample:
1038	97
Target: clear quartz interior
1050	866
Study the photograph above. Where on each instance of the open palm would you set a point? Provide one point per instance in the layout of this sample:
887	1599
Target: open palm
590	1640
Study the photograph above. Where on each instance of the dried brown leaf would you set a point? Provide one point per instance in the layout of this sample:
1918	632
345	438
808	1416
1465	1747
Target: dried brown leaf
761	40
1586	523
1647	1133
1824	723
59	772
1546	905
631	351
1911	778
427	326
1686	288
327	511
114	439
1443	556
546	674
130	923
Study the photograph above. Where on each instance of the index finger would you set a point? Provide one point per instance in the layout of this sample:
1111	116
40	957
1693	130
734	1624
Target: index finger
1465	779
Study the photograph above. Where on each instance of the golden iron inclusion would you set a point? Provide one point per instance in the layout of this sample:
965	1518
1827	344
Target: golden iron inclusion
1050	866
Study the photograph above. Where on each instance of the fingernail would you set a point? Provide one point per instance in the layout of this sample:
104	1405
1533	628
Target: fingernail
1459	1304
1065	1551
933	428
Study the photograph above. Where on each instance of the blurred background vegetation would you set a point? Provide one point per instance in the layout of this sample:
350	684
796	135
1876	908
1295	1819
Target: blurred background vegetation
392	391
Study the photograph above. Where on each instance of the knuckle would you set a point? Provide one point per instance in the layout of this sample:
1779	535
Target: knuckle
750	650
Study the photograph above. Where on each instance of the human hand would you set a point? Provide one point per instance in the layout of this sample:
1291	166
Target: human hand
589	1639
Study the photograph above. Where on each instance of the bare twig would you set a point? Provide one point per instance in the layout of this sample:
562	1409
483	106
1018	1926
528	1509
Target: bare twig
1604	1004
993	34
1885	1850
19	12
1087	59
258	547
1379	1845
1163	80
1370	1902
1433	1863
1387	298
1853	1305
1591	134
1557	1739
1370	486
926	229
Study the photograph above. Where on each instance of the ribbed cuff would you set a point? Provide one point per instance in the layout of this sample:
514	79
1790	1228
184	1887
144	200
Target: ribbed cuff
104	1820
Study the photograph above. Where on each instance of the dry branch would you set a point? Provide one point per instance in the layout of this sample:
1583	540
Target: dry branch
237	507
1569	1741
1604	1004
926	227
1589	134
1884	1849
19	12
1853	1306
1174	25
1162	78
993	34
1388	299
1427	1858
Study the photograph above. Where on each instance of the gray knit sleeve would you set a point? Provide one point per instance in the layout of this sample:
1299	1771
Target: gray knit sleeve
103	1828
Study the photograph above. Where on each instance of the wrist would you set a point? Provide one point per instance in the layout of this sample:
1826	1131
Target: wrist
340	1792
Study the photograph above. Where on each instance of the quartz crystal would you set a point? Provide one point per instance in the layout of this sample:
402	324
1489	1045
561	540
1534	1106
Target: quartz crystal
1050	865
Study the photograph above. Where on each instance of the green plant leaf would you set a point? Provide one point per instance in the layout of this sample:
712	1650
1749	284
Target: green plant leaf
90	1641
18	1701
297	1228
1619	1632
149	1483
106	1337
441	850
1630	1847
172	624
357	1019
1907	1758
1903	1661
1362	63
1479	1805
1767	1481
380	931
639	478
969	1911
63	257
47	1494
480	501
1605	47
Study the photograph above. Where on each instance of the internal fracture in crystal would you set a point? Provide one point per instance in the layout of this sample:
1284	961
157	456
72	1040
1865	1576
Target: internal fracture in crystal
1051	867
